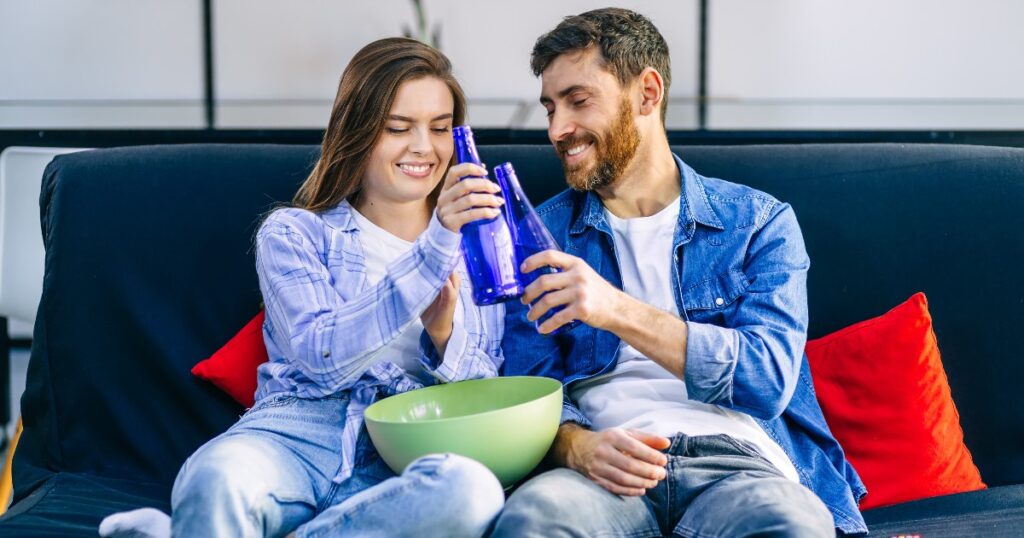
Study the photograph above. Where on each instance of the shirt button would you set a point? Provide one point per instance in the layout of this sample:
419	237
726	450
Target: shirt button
327	354
718	302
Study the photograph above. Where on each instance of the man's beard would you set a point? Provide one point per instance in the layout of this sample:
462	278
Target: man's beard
615	150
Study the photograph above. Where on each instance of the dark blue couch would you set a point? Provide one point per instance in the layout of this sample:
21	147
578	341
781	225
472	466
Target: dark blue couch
149	269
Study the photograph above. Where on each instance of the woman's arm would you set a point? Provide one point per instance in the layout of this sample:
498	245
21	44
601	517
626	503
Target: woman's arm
473	350
329	339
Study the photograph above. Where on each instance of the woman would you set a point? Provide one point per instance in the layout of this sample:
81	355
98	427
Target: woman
363	300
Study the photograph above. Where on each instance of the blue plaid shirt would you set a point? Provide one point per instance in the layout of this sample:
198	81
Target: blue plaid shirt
326	328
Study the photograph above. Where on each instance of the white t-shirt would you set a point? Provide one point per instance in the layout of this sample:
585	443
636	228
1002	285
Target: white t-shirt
380	248
638	393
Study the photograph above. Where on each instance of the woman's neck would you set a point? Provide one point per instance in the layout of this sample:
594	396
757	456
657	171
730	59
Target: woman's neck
405	220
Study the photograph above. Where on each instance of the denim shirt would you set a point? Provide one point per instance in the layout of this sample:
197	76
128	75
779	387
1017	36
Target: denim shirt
327	329
739	270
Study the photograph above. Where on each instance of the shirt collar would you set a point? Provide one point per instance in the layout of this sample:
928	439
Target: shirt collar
340	217
694	206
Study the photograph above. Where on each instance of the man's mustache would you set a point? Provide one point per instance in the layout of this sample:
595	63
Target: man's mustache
564	145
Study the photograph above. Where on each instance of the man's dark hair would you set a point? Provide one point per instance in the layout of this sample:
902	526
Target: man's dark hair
628	43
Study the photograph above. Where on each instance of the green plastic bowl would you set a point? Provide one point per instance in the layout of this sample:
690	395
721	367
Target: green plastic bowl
505	423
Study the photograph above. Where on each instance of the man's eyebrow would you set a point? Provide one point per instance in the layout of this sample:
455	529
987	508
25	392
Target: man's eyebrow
544	100
571	89
398	117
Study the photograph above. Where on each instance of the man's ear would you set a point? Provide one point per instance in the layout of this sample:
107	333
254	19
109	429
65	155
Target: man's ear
652	91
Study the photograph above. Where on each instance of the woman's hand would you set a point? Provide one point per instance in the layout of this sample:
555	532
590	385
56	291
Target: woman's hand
437	318
464	201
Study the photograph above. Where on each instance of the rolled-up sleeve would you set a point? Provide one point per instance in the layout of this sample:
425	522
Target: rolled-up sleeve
470	354
752	363
527	352
571	413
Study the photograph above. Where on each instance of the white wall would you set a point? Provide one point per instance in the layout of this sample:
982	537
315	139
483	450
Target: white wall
104	63
295	51
773	63
882	49
865	63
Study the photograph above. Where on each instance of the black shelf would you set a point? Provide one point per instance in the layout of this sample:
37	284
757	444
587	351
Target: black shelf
98	138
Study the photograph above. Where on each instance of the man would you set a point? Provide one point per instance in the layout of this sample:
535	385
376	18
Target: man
689	407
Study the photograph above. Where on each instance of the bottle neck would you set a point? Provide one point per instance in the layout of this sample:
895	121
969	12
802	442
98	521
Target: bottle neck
465	147
466	153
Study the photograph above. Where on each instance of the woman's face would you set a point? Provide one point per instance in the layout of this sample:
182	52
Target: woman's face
413	152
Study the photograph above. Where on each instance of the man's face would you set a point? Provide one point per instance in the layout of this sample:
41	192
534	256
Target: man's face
590	120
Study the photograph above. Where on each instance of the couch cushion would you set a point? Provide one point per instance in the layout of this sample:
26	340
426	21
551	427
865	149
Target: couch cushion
993	512
885	396
232	368
149	270
73	505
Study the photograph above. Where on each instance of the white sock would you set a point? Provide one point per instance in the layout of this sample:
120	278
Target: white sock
141	523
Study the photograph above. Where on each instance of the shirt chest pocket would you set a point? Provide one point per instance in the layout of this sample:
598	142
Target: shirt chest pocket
710	299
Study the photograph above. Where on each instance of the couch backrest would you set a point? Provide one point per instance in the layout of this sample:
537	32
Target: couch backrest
882	222
149	269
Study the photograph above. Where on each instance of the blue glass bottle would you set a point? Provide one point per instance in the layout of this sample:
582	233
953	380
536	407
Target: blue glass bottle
529	234
487	244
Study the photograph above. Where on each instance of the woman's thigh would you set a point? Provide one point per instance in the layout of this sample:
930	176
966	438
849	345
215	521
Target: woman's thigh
291	446
436	495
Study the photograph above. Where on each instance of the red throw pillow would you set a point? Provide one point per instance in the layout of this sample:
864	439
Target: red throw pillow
886	398
233	367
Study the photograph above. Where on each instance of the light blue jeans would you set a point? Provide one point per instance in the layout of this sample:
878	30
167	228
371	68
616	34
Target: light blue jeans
270	474
715	486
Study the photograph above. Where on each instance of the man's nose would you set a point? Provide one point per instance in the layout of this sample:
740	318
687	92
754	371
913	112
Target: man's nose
560	127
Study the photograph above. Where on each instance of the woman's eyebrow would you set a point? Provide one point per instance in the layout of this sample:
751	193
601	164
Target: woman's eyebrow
398	117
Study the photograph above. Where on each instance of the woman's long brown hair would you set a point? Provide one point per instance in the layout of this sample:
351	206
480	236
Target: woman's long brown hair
365	95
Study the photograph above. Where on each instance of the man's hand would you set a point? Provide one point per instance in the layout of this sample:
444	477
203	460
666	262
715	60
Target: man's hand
437	318
587	297
625	462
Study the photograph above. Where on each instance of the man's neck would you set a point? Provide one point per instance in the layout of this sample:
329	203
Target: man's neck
648	185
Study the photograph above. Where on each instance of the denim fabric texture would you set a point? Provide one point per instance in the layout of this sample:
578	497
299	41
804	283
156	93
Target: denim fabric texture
271	474
715	486
739	270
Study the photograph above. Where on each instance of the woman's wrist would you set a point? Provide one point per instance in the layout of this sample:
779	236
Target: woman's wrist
440	339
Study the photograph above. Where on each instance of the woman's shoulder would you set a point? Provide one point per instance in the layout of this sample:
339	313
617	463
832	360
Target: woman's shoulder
290	221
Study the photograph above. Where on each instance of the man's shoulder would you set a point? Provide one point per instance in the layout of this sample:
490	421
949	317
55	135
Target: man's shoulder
722	191
737	205
557	212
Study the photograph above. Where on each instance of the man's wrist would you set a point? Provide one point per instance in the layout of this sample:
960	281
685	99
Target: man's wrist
623	309
562	451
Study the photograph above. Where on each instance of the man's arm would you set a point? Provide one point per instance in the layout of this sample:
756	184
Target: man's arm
749	364
656	334
528	353
621	461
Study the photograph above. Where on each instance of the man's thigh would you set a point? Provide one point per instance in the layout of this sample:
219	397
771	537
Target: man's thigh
563	502
756	506
718	486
